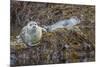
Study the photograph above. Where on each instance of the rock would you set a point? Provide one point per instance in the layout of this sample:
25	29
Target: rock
61	46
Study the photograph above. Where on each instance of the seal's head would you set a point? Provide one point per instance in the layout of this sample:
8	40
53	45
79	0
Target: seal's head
75	20
32	25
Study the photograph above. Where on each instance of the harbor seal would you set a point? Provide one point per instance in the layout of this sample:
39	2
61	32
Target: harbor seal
67	23
30	34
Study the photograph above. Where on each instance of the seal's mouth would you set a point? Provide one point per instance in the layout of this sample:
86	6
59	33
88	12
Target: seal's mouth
34	26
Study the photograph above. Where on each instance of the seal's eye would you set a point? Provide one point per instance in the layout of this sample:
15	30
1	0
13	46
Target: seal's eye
30	24
35	24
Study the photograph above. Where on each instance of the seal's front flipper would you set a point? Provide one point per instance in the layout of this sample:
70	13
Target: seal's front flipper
44	30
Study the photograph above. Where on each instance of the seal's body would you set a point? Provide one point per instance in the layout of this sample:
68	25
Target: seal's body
67	23
31	34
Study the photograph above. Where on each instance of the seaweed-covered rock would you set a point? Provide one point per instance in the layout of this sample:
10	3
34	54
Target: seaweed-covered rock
61	46
57	47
